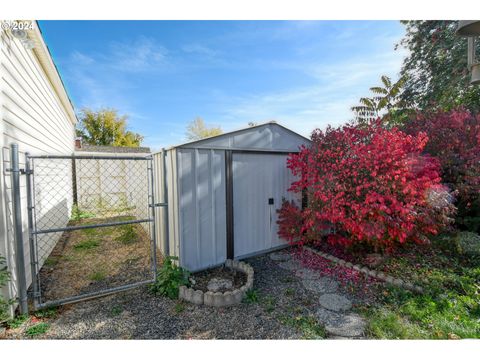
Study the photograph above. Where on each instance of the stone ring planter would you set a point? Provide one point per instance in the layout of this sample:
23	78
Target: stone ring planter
219	299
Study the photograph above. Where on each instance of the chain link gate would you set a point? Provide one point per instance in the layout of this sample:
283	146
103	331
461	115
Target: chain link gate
91	226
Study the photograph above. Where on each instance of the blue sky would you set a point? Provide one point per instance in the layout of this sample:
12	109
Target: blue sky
163	74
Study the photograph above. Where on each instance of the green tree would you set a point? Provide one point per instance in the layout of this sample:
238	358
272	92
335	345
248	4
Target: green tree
436	67
197	130
386	102
106	127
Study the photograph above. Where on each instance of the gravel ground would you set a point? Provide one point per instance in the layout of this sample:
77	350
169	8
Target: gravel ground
284	310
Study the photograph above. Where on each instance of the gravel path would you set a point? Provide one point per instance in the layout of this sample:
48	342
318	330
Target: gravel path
284	310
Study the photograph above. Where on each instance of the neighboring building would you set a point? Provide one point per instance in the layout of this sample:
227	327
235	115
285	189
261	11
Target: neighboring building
223	194
35	113
111	184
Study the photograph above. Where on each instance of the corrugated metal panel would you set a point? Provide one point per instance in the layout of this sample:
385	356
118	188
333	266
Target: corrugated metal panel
201	190
256	179
266	137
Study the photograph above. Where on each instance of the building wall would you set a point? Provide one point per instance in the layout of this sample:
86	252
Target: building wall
113	187
31	115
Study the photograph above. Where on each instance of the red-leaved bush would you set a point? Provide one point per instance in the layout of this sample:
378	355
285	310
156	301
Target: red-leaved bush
454	138
365	185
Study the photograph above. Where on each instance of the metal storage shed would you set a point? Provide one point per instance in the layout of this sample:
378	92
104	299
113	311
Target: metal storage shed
223	193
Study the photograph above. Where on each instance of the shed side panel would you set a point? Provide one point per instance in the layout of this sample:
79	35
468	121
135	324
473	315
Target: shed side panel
202	207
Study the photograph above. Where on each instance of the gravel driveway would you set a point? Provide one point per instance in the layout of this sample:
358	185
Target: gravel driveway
284	310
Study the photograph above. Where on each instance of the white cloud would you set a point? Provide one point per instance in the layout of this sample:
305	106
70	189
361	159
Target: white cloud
334	89
197	48
141	55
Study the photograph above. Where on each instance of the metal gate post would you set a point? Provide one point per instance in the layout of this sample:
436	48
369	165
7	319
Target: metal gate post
166	248
151	205
31	236
18	231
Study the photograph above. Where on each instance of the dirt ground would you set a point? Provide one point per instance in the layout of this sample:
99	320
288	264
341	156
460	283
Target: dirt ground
88	260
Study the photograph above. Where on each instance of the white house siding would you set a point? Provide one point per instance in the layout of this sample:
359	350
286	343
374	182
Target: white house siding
33	116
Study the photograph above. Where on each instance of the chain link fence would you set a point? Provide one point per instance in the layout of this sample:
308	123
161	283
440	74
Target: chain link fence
92	229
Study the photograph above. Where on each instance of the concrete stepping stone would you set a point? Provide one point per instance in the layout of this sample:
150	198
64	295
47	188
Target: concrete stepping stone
340	324
291	265
335	302
320	286
280	256
308	274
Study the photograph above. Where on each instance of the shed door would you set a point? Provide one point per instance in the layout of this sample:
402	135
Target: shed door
259	183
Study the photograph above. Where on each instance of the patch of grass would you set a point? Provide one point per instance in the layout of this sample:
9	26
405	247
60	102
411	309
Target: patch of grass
17	321
179	307
386	324
87	244
269	303
116	310
98	275
79	214
46	313
127	235
51	261
289	292
449	308
307	325
251	296
37	329
91	231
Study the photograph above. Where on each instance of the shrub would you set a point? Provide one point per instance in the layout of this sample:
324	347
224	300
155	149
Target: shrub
467	243
371	185
169	278
454	138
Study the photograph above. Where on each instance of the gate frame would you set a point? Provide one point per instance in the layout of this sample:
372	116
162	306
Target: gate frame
35	294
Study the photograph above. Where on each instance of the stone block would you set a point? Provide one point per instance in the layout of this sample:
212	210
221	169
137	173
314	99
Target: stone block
419	289
189	294
208	298
398	282
197	297
181	292
381	275
238	296
218	299
228	298
389	279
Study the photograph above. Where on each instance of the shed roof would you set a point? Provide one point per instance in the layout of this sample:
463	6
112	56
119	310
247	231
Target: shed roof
269	136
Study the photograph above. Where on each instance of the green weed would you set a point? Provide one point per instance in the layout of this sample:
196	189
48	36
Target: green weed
251	296
37	329
87	245
17	321
98	275
127	235
169	279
